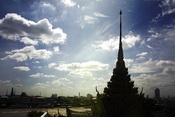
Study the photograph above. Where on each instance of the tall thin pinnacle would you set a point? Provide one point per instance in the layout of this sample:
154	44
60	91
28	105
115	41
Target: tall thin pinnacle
120	53
120	25
120	62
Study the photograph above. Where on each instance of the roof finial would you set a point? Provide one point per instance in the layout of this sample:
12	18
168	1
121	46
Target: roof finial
120	62
120	25
120	12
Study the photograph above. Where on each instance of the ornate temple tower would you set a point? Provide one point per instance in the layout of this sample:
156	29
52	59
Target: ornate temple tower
120	96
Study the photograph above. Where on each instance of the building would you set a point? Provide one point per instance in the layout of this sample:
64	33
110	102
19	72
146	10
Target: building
120	97
89	96
157	94
54	96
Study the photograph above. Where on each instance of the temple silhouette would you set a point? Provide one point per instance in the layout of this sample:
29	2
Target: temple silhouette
120	98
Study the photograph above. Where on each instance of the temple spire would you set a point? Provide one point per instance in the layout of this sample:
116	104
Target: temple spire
120	62
120	25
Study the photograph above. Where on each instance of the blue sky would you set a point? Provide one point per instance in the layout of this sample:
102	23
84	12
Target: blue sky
70	46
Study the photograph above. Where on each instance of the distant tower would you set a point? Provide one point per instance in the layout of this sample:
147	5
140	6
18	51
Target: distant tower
157	93
12	92
79	94
7	92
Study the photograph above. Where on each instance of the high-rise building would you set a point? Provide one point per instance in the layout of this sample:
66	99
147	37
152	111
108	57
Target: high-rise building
157	93
12	92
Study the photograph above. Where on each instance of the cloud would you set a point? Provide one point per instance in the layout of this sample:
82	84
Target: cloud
150	82
40	75
128	62
154	35
142	54
61	82
15	27
112	44
36	62
5	81
68	3
167	66
89	19
18	85
81	74
167	33
169	70
22	68
40	86
86	19
164	67
51	65
165	63
29	41
82	70
47	6
97	14
28	52
144	67
56	49
86	66
168	7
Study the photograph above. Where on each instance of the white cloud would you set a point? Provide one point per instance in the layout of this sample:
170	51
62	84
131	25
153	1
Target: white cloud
22	68
40	75
51	65
112	44
68	3
166	33
99	15
142	54
154	35
36	62
163	67
169	70
5	81
86	66
18	85
128	62
169	34
28	52
170	11
148	46
47	5
144	67
14	27
89	19
61	82
81	74
168	7
56	49
82	70
84	20
167	66
29	41
40	86
165	63
150	82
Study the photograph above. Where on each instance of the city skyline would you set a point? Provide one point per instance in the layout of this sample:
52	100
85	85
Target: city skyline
70	46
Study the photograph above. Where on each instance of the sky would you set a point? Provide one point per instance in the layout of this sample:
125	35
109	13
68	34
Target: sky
70	46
